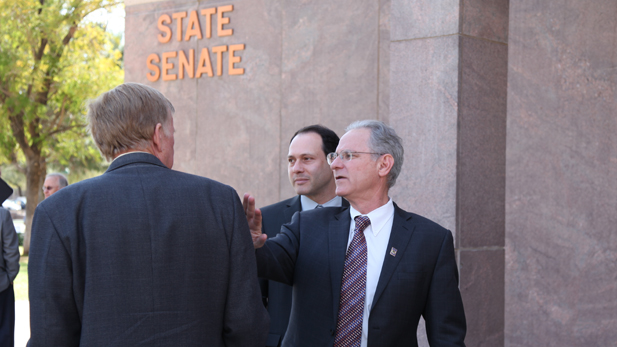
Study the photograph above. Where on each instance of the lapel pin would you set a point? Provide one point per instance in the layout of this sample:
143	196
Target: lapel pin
393	252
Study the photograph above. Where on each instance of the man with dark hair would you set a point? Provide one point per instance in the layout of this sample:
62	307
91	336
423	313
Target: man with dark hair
142	255
363	276
312	179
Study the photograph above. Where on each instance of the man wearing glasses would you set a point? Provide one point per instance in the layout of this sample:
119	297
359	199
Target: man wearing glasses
53	183
364	275
310	176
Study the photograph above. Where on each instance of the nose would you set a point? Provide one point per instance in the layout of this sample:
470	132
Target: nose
297	167
337	163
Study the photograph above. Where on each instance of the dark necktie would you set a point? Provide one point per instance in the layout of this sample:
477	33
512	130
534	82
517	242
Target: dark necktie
353	289
318	206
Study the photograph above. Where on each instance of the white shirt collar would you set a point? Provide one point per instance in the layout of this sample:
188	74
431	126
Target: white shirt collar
379	216
123	154
308	204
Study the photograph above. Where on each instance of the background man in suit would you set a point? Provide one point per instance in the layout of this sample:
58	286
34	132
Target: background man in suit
142	255
9	268
363	276
312	179
53	183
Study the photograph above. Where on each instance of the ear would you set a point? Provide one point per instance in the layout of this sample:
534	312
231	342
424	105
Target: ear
385	164
157	138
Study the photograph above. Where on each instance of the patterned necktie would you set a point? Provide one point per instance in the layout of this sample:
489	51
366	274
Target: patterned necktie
353	289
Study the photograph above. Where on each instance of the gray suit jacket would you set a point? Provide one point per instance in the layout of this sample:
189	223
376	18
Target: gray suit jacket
144	256
9	262
421	279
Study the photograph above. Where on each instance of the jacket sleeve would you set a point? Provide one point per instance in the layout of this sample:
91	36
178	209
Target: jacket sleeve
246	320
444	314
10	246
54	317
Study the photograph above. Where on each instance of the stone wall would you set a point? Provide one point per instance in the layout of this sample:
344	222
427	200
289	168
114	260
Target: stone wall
561	196
304	63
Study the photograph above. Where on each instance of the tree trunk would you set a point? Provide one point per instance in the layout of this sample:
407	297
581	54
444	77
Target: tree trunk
35	172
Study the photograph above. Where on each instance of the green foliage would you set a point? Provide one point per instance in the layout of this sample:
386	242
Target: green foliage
51	62
20	286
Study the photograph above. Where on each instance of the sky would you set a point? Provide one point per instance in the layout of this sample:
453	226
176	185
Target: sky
113	19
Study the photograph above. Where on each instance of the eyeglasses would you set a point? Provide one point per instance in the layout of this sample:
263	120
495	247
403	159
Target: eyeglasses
345	156
48	188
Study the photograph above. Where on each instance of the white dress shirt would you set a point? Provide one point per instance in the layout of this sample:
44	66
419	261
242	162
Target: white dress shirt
377	235
308	204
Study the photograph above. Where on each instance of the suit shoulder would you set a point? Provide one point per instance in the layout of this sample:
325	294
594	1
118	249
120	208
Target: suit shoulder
278	206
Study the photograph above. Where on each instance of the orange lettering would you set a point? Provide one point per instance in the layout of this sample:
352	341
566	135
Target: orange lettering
168	66
193	28
205	65
219	58
156	72
179	16
184	64
208	12
220	20
164	19
233	59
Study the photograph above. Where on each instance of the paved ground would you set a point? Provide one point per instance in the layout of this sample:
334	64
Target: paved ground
22	323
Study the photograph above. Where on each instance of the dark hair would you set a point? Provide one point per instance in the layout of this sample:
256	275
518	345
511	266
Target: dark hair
329	138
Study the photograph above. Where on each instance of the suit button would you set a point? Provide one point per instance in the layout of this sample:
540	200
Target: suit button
332	331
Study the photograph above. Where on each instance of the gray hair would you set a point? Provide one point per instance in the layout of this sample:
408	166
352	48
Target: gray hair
383	140
62	180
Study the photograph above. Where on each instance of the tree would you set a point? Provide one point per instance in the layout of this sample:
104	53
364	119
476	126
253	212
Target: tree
51	62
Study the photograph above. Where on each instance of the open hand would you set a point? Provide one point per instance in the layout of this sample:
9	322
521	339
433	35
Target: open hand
253	217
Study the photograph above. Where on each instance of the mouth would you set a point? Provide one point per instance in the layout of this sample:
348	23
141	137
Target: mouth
301	180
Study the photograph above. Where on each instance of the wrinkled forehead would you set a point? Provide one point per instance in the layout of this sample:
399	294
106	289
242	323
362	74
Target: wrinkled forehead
55	180
355	140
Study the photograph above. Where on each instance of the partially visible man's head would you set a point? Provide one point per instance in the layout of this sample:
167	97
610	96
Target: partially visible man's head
368	160
126	117
53	183
308	169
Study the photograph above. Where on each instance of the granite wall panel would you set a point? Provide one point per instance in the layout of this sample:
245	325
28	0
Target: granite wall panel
227	127
330	67
561	239
305	63
482	288
413	19
487	19
481	143
424	111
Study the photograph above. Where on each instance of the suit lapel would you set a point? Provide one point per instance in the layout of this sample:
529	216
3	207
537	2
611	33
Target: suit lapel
399	238
338	233
293	207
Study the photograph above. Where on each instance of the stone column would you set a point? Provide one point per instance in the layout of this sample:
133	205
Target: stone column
448	101
561	196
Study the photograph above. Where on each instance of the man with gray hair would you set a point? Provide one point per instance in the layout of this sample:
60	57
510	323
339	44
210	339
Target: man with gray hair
142	255
364	275
53	183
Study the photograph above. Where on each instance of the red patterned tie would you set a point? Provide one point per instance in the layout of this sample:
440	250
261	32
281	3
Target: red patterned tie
353	289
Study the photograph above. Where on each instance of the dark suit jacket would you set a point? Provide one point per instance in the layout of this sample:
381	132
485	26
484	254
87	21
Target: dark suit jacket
9	251
421	280
144	256
276	294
